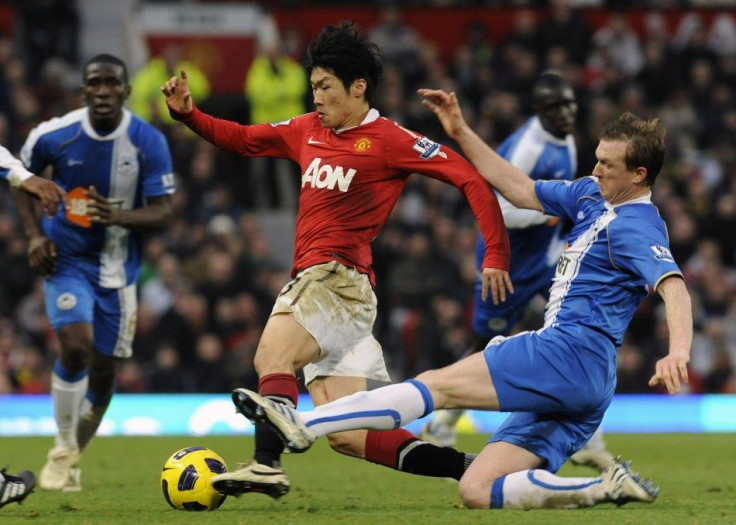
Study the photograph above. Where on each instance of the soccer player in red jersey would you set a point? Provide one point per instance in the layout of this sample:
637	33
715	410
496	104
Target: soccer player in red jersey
354	165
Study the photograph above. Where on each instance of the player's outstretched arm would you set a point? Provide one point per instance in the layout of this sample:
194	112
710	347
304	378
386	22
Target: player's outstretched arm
671	370
513	183
177	93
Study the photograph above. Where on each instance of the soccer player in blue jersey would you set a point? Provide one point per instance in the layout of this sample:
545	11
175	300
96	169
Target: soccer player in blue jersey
116	170
556	381
544	149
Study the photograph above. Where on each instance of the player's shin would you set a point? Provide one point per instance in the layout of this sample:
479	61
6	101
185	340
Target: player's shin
281	388
67	390
385	408
90	416
400	450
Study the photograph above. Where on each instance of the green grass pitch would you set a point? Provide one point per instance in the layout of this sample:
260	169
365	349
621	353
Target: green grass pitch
120	476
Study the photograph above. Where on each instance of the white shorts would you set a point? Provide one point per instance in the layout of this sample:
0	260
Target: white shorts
337	306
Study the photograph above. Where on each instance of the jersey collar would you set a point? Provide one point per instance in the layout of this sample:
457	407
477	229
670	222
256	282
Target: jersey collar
536	124
89	130
372	116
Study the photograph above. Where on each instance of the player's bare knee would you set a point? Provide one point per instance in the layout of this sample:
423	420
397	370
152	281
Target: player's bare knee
474	495
346	443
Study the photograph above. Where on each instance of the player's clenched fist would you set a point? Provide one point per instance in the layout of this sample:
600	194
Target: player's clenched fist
178	96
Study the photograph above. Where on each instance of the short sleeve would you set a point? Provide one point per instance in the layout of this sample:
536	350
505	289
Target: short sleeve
158	177
641	245
561	198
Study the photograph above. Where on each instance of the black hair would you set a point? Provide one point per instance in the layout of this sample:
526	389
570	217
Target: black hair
346	52
105	58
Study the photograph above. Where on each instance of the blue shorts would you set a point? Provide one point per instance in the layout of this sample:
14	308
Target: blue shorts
557	391
72	298
490	320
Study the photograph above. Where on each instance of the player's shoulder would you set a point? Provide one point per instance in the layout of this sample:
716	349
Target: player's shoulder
639	219
141	131
70	121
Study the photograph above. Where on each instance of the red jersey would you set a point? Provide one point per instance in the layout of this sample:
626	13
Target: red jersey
351	180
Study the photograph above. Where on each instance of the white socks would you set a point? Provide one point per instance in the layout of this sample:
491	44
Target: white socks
67	398
385	408
539	489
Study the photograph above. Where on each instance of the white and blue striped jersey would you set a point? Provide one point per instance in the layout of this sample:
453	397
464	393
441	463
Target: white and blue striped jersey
126	166
535	246
614	256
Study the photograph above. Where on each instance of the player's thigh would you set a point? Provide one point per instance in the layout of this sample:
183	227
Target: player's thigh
114	321
464	384
69	299
285	345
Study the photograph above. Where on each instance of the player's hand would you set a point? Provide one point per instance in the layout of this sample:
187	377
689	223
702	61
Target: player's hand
447	109
46	191
671	372
178	96
99	209
499	282
42	255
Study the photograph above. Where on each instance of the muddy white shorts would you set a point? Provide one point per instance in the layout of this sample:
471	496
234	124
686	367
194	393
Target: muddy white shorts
337	306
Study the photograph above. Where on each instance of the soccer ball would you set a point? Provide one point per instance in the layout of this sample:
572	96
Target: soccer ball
185	479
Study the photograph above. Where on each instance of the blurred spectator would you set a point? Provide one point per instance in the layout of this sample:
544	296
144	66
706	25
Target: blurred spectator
275	87
210	368
398	42
619	45
47	28
145	98
165	373
566	28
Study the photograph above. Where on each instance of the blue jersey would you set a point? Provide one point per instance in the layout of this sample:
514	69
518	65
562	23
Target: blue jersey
614	256
125	166
536	242
535	246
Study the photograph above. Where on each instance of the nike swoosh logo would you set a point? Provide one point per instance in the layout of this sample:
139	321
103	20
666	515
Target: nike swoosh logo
74	162
312	141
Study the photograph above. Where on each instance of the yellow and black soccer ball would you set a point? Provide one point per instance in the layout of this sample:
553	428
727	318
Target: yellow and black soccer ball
186	479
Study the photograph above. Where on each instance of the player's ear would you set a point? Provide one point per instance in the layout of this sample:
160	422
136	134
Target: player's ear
358	88
640	175
128	90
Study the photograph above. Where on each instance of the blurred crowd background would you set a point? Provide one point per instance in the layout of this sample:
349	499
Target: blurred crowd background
209	282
